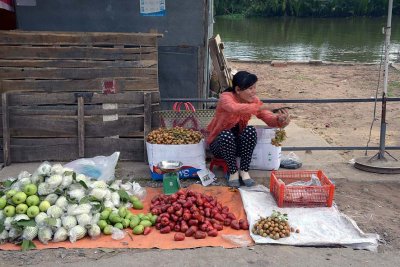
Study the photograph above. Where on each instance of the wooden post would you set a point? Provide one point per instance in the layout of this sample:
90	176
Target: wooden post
6	130
147	120
81	127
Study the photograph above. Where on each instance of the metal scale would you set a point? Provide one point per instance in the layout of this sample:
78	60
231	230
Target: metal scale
170	169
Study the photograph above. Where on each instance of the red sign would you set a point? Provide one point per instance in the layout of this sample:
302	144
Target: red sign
109	87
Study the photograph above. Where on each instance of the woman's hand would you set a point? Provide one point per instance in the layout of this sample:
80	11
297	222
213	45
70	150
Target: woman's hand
283	117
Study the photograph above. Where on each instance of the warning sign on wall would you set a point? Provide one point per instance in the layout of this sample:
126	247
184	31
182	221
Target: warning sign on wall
152	7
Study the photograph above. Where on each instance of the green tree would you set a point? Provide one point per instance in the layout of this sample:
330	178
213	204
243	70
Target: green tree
305	8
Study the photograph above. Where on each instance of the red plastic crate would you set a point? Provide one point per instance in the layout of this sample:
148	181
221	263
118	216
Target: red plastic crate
303	196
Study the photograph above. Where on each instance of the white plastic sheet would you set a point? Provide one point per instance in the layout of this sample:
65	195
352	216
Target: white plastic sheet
318	226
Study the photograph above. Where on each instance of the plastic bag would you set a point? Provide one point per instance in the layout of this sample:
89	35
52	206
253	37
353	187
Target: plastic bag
99	168
314	181
290	161
138	191
117	234
239	240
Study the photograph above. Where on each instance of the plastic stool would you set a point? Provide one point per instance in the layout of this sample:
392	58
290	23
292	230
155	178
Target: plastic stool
219	163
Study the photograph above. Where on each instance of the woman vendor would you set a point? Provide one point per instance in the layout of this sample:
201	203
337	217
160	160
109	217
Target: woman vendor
230	136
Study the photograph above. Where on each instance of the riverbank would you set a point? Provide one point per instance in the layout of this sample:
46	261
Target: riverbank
340	124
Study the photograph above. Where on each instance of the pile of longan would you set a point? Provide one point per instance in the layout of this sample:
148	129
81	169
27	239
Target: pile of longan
275	226
174	136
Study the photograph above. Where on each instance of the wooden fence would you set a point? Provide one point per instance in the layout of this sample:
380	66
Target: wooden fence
69	95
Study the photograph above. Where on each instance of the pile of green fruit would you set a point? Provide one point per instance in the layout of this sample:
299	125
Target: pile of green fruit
122	218
55	203
23	202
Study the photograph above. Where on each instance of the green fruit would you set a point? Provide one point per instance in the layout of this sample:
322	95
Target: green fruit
129	216
9	211
102	224
149	215
21	208
32	211
3	203
109	209
107	230
145	218
10	193
138	230
145	223
19	198
119	226
44	205
122	212
114	218
104	215
134	222
30	189
140	215
33	200
153	219
137	205
133	199
125	222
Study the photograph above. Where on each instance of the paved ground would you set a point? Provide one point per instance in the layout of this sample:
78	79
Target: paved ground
331	162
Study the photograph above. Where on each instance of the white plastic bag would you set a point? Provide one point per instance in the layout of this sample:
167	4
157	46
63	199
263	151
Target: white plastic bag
99	168
314	181
265	155
117	234
290	161
193	157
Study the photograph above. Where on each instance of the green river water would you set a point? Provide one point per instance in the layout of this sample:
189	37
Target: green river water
358	39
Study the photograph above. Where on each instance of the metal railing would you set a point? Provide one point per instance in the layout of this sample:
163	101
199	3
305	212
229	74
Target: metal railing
304	101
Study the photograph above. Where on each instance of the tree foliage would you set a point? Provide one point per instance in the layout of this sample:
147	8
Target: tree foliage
305	8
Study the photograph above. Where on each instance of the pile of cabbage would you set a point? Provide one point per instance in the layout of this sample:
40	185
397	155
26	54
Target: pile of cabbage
76	202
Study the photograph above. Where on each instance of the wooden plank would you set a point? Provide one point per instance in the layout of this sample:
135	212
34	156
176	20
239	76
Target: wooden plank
70	110
130	148
99	53
81	127
51	126
79	38
54	149
155	121
1	153
21	99
147	121
6	133
219	63
84	63
64	149
75	73
125	84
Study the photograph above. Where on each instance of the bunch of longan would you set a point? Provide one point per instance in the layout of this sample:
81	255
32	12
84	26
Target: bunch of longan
174	136
280	136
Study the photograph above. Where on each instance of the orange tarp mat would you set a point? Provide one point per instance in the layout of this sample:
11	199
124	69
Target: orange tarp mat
227	238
